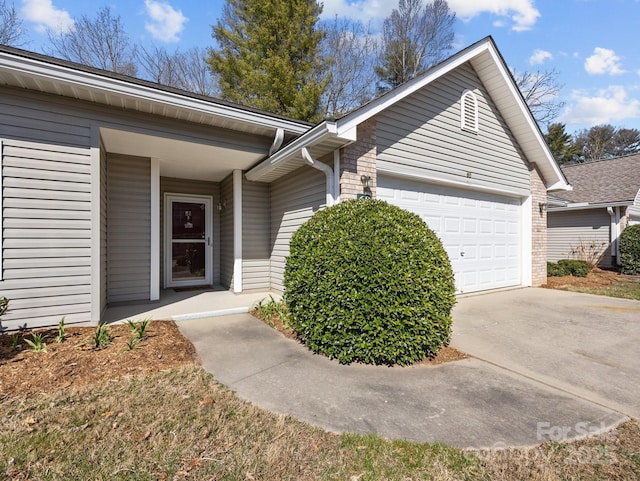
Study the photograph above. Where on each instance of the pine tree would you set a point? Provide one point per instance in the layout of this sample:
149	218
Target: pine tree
268	56
561	144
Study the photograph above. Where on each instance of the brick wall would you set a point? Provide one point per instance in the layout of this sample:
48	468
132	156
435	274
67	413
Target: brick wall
539	228
359	159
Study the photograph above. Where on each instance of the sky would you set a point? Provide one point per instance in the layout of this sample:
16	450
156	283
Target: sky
592	44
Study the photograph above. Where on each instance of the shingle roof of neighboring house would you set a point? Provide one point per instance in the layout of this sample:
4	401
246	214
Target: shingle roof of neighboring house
603	181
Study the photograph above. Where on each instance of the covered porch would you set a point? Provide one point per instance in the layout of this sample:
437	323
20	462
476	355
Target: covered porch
184	305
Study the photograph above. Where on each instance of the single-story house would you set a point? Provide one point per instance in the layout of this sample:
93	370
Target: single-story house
604	200
116	189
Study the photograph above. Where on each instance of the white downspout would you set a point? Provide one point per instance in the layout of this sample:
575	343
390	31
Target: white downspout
328	172
618	232
613	229
277	142
336	175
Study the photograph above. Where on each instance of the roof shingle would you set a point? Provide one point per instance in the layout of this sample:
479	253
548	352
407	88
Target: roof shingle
603	181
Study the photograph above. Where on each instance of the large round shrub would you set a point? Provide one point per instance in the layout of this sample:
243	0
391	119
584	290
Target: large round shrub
630	250
369	282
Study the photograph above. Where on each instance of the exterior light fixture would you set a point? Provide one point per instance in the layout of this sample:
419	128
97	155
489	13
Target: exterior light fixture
366	181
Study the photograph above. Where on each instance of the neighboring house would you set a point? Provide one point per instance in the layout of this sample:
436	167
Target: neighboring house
114	189
604	200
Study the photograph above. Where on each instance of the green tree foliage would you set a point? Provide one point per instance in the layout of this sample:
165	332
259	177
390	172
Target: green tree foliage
561	143
606	141
414	37
369	282
630	250
268	56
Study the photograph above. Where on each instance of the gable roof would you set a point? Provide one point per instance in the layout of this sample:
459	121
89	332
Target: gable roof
495	76
610	181
42	73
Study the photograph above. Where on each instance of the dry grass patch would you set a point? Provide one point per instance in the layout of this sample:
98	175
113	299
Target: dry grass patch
182	424
599	282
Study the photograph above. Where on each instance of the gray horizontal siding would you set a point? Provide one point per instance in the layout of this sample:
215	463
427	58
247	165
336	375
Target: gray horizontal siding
567	230
46	235
226	232
256	223
128	228
421	136
294	199
194	187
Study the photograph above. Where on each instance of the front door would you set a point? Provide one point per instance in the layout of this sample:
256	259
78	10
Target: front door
188	249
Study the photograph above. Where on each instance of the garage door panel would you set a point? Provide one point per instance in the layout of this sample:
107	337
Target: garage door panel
480	232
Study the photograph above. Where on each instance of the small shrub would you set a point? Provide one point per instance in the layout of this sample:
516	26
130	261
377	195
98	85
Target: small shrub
575	267
589	251
132	342
555	270
269	309
37	342
630	250
15	342
139	329
4	307
369	282
102	337
60	336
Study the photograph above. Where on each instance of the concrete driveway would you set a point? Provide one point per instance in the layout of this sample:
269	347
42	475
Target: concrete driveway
584	345
548	365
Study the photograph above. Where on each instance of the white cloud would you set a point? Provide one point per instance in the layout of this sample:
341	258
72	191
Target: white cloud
540	56
363	10
166	22
608	105
603	61
46	16
523	13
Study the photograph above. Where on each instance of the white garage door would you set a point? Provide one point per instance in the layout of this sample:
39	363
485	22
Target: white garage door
480	232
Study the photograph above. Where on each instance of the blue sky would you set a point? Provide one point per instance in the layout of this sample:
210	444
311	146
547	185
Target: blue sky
591	43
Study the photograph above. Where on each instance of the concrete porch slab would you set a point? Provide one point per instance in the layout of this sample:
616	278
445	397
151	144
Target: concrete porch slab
179	306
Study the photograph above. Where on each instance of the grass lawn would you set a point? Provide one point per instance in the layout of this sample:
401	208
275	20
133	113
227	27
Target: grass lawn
181	424
599	282
172	420
625	290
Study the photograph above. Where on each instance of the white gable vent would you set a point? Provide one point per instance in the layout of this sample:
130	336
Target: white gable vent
469	112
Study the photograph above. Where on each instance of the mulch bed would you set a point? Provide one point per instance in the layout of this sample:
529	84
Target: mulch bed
75	362
445	354
596	278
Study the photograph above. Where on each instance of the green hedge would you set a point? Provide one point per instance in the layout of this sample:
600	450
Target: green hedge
369	282
568	267
630	250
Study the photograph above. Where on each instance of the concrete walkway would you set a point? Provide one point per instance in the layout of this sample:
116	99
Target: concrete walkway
534	377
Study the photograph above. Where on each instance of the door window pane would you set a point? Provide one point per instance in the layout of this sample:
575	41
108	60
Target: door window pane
188	260
188	220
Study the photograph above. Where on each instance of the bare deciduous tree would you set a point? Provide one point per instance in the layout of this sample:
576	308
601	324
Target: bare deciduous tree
11	30
414	38
350	50
186	70
101	42
606	141
541	92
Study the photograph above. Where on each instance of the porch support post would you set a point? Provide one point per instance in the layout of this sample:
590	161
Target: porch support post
96	277
237	231
154	291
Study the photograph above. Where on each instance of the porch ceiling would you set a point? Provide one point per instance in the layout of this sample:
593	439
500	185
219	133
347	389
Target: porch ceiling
183	159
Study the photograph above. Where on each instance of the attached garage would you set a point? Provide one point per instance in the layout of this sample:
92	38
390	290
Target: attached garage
481	232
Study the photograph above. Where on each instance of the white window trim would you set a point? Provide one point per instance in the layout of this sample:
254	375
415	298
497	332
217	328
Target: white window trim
465	124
